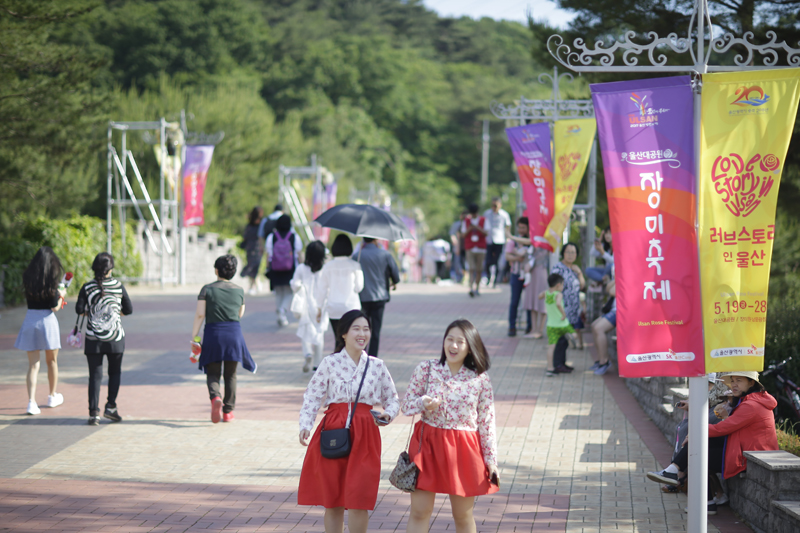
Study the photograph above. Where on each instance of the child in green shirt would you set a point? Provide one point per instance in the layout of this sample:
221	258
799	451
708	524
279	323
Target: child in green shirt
558	326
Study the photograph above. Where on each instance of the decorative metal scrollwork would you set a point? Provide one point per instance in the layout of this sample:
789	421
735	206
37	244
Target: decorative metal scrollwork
769	51
543	109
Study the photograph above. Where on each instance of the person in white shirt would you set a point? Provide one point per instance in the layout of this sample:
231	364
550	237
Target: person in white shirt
339	283
339	484
498	220
304	284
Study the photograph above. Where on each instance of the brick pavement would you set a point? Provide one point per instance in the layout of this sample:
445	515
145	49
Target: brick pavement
573	450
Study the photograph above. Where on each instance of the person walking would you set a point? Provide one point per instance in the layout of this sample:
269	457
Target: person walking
517	258
454	443
497	220
380	273
283	248
267	224
474	229
349	382
221	305
457	247
340	282
40	330
253	246
103	301
573	283
304	284
558	327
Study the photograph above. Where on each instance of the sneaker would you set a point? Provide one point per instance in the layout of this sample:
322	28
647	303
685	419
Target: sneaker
667	478
512	332
721	500
216	409
711	508
602	369
112	414
33	408
55	400
528	330
472	294
568	367
227	417
307	364
550	373
283	321
563	369
94	421
594	366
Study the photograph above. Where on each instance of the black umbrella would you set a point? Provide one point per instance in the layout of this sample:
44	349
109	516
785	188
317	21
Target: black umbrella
365	221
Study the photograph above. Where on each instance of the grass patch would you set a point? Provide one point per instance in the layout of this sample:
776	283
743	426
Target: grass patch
788	439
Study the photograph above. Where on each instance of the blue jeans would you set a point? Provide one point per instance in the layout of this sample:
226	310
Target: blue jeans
516	294
597	273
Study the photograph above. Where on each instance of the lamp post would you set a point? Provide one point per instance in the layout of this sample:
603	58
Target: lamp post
583	60
550	111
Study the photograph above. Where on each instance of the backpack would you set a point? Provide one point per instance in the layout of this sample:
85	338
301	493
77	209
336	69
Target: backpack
282	259
104	318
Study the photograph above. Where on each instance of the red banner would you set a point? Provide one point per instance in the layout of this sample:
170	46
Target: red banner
195	172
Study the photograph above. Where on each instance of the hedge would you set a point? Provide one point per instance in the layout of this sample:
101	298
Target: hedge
76	241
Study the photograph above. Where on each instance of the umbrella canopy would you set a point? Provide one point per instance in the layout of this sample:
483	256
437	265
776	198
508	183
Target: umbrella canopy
365	221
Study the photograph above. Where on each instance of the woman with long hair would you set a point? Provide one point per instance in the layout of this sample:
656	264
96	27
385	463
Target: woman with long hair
283	254
254	248
454	443
339	283
304	285
574	281
349	482
221	305
40	330
103	300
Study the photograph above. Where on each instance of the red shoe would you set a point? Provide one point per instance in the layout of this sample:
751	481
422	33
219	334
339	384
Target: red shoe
216	409
227	417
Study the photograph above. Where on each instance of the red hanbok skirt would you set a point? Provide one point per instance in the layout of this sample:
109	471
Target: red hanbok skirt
450	461
350	482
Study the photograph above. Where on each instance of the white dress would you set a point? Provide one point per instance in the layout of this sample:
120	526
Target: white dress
340	281
305	283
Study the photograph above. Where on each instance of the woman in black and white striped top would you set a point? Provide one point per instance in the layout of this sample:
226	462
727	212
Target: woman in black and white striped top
103	300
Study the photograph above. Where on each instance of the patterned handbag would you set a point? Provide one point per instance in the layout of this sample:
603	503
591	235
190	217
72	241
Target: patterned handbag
405	473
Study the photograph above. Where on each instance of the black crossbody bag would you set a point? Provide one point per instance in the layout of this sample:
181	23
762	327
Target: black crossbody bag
335	443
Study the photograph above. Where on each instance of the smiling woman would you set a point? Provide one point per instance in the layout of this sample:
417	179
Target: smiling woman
351	383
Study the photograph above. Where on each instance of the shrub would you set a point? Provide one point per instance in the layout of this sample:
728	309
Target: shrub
788	439
76	241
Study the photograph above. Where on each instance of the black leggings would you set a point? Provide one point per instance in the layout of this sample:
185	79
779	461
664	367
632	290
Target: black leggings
95	361
716	457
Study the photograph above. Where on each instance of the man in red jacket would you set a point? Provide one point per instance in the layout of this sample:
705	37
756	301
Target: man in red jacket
749	427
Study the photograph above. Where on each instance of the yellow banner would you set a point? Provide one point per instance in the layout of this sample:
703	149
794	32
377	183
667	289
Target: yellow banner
573	142
747	122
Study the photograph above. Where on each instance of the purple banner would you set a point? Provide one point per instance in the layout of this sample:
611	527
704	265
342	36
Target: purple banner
531	148
647	143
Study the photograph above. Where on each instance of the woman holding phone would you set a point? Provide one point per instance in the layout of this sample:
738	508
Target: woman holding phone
349	482
454	444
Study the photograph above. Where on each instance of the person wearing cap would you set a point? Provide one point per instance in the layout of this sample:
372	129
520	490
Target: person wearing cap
749	427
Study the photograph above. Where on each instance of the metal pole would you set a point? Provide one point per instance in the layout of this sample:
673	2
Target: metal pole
163	132
181	203
485	162
698	387
109	194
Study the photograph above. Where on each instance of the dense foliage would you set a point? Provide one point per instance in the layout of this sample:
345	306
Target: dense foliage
385	92
76	241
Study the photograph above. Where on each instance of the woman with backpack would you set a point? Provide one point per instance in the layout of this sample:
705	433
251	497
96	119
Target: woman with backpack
103	300
39	330
283	253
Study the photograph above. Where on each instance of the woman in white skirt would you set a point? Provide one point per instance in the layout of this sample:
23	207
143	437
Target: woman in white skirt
304	284
40	330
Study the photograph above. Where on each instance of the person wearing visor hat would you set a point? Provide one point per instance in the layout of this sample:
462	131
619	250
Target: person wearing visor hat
750	426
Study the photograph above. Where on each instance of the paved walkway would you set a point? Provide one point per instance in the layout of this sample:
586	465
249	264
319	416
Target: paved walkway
573	450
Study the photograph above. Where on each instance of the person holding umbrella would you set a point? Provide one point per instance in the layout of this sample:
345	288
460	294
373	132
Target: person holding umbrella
380	271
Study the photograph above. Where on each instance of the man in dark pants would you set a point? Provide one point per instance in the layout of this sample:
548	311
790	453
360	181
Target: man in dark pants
380	271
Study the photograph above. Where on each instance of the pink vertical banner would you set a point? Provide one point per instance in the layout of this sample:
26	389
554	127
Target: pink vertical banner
195	172
647	143
530	145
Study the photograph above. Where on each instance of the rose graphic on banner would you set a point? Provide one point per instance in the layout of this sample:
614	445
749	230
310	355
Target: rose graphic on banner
738	183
